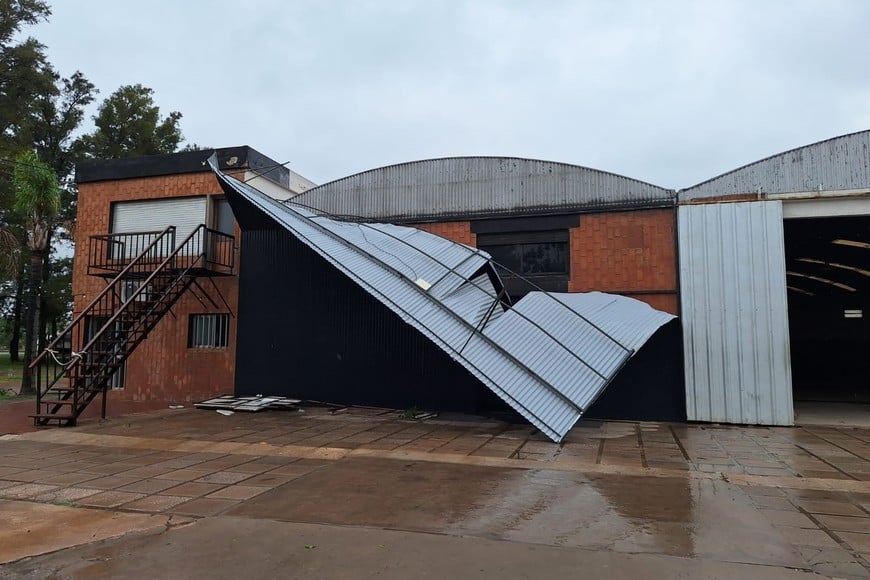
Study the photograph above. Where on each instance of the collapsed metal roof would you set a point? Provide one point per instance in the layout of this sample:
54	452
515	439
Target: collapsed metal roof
548	356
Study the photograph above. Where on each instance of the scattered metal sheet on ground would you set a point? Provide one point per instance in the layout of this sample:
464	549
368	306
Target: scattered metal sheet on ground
250	404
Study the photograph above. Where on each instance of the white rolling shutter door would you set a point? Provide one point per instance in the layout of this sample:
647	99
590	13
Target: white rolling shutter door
154	215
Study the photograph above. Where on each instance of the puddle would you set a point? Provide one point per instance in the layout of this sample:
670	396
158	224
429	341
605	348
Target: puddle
676	516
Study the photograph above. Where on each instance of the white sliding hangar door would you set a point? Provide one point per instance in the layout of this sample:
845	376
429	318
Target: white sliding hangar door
735	313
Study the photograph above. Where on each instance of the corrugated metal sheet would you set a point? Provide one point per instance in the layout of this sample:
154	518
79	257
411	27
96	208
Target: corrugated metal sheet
735	313
545	357
478	186
838	164
577	354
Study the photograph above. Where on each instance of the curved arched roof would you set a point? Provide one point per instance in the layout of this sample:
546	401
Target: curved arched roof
838	164
462	187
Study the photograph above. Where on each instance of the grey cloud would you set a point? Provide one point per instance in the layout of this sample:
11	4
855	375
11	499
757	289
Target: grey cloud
668	92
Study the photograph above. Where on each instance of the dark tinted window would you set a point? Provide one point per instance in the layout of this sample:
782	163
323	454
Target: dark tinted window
531	258
223	217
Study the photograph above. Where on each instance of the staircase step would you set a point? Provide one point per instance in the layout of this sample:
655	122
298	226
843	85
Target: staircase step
56	402
52	416
100	366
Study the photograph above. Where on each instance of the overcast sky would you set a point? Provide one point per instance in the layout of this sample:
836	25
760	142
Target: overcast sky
668	92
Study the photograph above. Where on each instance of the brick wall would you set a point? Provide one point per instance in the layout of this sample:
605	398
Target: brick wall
162	368
456	231
632	253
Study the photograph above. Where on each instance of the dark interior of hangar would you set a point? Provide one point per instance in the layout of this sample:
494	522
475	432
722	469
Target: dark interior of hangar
828	280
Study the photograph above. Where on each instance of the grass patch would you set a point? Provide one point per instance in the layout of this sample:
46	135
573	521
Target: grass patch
9	371
409	414
10	380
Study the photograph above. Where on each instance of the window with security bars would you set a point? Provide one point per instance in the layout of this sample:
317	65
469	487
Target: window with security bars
208	331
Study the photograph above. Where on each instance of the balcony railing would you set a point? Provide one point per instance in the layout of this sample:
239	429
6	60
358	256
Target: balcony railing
110	254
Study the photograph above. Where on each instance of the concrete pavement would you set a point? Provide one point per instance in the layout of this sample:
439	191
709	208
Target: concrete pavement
615	498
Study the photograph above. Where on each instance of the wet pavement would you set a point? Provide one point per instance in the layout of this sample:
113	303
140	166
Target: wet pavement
770	499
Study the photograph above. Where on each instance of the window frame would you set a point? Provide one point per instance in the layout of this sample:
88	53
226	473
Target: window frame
555	281
218	201
214	335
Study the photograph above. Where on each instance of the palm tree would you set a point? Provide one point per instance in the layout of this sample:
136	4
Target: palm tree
37	197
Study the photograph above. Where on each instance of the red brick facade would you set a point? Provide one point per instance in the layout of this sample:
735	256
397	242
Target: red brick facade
162	368
456	231
633	253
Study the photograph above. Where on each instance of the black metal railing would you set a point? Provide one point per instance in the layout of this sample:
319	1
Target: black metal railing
121	316
109	254
220	254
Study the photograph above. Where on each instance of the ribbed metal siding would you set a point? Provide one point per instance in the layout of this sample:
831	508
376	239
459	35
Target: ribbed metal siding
735	314
841	163
477	186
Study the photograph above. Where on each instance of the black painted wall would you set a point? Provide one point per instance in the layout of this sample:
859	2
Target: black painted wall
651	386
305	330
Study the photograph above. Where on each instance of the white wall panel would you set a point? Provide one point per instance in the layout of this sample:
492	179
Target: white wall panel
735	313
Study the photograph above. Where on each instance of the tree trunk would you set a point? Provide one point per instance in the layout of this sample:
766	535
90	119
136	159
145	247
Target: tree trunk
33	303
15	339
46	274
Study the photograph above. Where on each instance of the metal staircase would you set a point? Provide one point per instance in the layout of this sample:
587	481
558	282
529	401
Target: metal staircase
146	274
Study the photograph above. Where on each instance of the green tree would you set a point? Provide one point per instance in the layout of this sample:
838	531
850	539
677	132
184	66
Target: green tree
48	125
128	124
16	13
37	197
25	76
57	293
55	118
54	122
25	73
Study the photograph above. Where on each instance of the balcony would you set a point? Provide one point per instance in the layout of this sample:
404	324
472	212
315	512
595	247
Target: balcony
205	252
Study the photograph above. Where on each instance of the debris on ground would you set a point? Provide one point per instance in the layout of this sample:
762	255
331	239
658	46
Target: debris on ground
415	414
251	404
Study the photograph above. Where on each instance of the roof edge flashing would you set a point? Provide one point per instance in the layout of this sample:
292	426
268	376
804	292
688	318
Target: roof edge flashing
241	157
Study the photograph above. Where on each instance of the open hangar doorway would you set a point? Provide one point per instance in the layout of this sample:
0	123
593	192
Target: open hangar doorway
828	285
